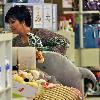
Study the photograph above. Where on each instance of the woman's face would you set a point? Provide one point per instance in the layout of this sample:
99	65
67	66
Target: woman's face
16	26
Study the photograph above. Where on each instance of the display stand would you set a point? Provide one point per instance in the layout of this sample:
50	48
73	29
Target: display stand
5	73
82	53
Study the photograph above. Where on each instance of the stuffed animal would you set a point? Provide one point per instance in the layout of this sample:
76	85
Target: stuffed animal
39	56
64	70
41	76
15	69
26	76
35	74
17	78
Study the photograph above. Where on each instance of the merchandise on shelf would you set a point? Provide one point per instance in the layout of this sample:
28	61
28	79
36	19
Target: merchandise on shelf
75	5
77	35
38	83
90	34
91	5
48	16
71	4
89	84
39	87
32	80
8	73
66	22
91	18
99	37
38	16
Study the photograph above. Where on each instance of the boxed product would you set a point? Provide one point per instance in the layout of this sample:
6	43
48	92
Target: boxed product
25	56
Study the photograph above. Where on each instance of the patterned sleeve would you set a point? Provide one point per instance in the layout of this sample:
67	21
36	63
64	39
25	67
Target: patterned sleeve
34	40
53	41
38	42
58	44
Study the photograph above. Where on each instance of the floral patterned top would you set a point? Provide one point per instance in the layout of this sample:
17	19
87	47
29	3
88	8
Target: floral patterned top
53	41
33	41
50	41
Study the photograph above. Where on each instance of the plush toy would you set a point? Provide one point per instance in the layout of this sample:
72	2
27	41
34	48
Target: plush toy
40	81
41	76
26	76
39	56
51	79
15	69
35	74
64	70
17	78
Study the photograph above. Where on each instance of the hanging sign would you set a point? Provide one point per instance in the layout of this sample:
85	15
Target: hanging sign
48	16
37	16
54	22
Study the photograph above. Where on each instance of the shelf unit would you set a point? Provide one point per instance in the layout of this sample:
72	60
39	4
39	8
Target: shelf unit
5	74
82	54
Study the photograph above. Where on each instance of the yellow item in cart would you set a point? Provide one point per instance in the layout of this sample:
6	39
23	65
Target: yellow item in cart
17	78
33	84
59	93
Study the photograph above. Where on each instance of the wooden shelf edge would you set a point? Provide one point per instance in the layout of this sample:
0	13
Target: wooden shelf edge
5	89
6	36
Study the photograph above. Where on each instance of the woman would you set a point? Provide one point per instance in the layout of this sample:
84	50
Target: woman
19	19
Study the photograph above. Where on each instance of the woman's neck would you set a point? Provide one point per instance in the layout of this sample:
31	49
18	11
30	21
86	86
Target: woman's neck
25	31
24	36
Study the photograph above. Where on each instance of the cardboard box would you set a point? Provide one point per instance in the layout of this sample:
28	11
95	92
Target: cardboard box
25	56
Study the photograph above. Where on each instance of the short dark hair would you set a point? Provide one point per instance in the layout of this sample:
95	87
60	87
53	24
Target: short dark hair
21	13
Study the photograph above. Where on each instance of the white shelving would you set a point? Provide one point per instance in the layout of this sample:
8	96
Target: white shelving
5	74
82	54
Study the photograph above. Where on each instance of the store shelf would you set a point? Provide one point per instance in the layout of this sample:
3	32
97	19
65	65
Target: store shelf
84	56
71	12
5	37
5	89
91	12
5	72
90	57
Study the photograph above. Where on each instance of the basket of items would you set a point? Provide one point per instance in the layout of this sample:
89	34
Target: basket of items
35	84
